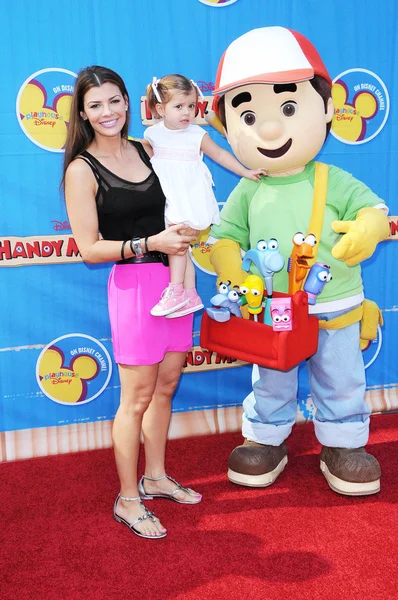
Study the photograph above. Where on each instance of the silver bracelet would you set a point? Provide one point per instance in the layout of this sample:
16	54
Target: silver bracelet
136	241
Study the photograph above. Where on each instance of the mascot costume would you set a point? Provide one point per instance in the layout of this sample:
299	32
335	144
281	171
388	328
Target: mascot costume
273	98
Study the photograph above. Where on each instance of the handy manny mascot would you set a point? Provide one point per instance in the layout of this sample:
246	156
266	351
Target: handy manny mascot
273	98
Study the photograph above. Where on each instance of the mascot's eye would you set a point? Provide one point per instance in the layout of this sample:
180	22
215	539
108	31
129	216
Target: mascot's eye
298	239
323	275
255	292
233	296
261	245
272	244
276	318
223	289
244	290
329	277
310	239
289	109
248	118
286	318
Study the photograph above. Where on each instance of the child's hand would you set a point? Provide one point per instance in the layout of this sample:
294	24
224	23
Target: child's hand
256	175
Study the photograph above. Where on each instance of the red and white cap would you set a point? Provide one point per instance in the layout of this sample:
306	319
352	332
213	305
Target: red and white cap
268	55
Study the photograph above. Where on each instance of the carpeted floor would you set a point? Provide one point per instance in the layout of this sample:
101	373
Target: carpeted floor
294	540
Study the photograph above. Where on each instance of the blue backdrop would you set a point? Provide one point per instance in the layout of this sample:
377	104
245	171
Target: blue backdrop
49	300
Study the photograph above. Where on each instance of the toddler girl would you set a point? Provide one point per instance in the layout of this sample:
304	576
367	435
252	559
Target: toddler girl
178	148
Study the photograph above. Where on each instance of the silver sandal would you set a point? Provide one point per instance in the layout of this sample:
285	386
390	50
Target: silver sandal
147	515
171	496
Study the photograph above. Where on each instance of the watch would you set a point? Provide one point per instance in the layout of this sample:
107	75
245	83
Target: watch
136	243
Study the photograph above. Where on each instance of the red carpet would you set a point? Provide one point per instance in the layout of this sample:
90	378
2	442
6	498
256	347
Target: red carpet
295	540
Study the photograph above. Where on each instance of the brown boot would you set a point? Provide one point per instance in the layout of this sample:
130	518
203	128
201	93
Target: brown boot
256	465
350	471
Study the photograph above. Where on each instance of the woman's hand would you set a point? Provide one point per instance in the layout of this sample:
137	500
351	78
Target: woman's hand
173	240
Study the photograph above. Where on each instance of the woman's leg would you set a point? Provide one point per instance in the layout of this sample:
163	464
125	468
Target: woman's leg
156	423
137	387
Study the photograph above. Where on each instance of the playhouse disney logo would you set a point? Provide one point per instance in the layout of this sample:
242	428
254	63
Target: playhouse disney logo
217	3
43	107
361	106
73	369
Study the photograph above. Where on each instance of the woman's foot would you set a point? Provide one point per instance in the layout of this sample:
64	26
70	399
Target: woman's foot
167	487
133	510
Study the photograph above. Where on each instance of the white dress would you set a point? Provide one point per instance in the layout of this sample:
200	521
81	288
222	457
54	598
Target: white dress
185	179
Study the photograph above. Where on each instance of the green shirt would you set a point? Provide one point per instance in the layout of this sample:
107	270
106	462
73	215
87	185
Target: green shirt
279	207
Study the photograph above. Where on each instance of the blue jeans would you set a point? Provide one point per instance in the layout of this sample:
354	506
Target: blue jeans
337	383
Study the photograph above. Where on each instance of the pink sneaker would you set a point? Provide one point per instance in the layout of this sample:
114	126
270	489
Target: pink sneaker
194	303
173	298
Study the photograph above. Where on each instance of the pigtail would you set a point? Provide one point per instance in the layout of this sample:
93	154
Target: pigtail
152	101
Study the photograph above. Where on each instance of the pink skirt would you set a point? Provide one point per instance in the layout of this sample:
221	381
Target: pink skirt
138	337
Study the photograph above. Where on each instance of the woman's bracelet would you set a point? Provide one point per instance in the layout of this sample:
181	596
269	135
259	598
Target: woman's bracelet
122	250
136	247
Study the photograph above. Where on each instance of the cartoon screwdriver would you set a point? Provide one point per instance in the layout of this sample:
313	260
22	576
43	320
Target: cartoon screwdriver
253	290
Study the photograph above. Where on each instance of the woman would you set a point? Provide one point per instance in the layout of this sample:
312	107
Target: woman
110	188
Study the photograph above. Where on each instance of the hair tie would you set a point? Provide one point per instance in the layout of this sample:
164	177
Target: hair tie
198	88
155	82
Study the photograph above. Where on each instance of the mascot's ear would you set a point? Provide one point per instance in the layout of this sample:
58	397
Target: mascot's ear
329	110
215	121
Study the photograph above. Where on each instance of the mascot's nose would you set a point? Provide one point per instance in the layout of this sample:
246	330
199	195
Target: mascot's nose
270	130
274	262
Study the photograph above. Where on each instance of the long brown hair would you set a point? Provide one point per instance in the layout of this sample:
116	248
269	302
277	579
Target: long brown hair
80	133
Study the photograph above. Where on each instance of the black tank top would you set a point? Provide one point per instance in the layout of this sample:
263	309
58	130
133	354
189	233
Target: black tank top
126	209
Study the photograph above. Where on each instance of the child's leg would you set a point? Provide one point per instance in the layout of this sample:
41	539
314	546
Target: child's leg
194	302
189	279
173	297
178	266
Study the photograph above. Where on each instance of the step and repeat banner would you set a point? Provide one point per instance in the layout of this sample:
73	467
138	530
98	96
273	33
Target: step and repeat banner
58	379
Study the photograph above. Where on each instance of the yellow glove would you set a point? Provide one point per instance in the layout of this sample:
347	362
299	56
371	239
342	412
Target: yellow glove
226	259
361	236
371	318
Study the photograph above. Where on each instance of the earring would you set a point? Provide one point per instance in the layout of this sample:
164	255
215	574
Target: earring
126	109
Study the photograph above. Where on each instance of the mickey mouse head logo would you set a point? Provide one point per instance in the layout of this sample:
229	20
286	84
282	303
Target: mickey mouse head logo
361	106
66	383
217	3
43	107
200	253
73	369
349	121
